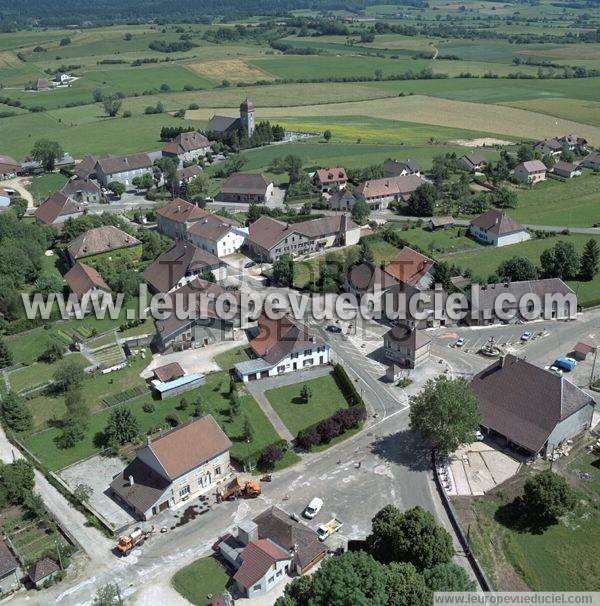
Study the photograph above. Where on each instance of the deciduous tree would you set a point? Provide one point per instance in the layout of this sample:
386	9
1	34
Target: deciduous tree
46	152
445	412
547	496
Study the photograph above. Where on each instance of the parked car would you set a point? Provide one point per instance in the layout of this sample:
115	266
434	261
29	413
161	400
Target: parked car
479	436
250	264
313	508
334	328
554	369
526	336
566	364
460	342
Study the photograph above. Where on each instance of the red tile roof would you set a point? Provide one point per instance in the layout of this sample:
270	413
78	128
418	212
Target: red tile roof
496	222
181	211
57	205
185	447
257	559
81	278
168	372
409	266
325	176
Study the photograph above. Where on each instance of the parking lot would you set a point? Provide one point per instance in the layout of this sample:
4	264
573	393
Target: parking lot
97	472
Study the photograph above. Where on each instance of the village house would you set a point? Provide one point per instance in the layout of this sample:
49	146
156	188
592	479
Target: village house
549	147
531	172
412	269
123	169
222	126
57	209
173	468
204	326
482	300
218	235
441	222
269	239
572	142
9	571
83	191
395	168
9	168
85	280
180	264
475	162
592	161
173	218
246	187
187	147
282	346
107	241
328	178
533	409
42	85
343	200
378	193
186	174
406	346
43	571
496	228
367	278
568	170
259	564
86	169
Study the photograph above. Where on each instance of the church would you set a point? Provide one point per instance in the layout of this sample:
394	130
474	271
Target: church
225	125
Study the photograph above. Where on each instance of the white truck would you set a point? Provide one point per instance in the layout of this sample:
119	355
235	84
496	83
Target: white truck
326	530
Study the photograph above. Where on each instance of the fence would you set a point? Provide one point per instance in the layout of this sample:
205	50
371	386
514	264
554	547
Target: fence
462	538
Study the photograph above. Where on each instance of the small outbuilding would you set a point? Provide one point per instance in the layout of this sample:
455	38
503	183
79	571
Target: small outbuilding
581	350
43	571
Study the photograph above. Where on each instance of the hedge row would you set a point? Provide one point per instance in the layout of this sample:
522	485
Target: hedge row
254	458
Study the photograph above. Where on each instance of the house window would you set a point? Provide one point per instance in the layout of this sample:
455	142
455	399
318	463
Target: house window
294	355
307	352
271	579
218	471
183	491
257	587
281	368
308	362
279	573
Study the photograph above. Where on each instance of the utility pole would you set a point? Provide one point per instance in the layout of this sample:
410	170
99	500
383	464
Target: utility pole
593	366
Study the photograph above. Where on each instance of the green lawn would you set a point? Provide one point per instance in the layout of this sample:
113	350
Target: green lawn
44	185
213	396
228	359
484	262
200	579
574	203
297	415
440	241
561	557
37	374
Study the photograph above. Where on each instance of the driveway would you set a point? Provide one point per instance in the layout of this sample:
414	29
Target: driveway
19	184
201	359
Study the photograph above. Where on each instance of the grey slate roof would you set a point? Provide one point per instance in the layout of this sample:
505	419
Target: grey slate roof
525	402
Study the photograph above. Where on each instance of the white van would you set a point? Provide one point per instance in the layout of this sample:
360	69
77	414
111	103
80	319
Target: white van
313	508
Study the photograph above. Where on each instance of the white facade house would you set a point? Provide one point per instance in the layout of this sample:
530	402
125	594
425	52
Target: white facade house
173	468
531	172
497	229
123	169
217	235
282	346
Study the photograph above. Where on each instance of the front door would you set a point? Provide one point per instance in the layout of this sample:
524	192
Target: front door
164	505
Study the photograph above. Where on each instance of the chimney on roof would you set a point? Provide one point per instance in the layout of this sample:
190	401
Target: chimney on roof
130	479
179	208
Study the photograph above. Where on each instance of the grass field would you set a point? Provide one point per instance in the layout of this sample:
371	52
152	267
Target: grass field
228	359
573	203
213	396
295	413
440	241
485	262
37	374
558	558
570	109
43	186
199	579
